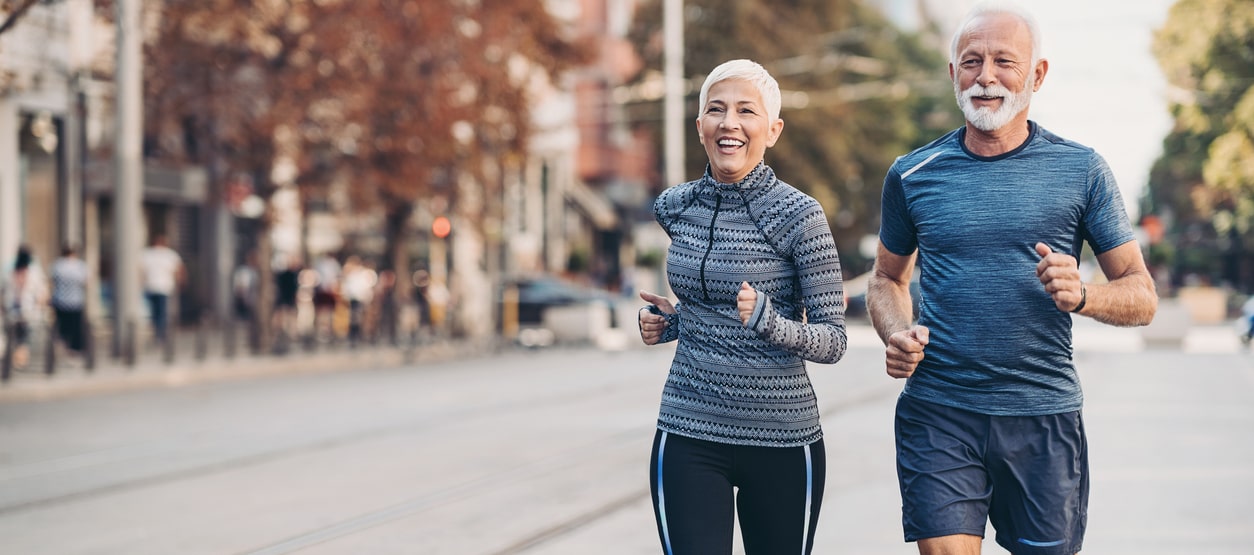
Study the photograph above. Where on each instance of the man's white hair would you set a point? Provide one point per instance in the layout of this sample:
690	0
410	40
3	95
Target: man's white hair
750	71
997	7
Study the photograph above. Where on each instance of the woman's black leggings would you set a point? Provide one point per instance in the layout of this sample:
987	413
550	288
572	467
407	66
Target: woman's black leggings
779	493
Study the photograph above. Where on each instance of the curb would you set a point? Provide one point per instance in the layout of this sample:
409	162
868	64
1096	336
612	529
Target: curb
114	378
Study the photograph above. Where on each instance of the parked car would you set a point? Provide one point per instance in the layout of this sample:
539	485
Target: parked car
538	294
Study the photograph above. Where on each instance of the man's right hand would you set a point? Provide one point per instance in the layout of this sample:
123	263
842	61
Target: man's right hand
652	325
905	350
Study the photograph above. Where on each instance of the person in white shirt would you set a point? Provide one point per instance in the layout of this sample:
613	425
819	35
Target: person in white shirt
163	273
358	288
23	296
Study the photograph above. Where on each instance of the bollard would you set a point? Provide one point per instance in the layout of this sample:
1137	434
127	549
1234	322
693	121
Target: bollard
254	337
50	349
202	338
6	367
509	312
89	345
167	344
228	338
115	346
128	350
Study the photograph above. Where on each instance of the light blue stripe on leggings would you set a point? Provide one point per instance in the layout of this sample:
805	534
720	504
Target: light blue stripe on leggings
805	528
661	496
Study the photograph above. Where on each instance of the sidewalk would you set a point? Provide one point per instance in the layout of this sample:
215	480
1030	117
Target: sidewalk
201	360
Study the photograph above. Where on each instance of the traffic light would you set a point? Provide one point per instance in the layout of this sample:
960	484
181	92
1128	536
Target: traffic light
441	227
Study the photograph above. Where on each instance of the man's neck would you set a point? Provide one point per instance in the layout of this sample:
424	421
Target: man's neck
998	141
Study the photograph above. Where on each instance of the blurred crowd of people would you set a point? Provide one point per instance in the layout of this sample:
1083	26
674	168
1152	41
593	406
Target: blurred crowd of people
333	300
336	299
33	299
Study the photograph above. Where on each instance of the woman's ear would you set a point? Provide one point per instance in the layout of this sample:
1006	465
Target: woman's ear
777	127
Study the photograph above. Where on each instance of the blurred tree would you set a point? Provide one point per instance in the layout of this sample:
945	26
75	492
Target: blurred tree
858	93
226	81
444	93
401	98
1205	176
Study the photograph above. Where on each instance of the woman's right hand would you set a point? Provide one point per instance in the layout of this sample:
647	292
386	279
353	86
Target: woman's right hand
652	325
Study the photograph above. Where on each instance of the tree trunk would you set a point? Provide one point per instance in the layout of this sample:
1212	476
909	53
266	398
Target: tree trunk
265	283
396	236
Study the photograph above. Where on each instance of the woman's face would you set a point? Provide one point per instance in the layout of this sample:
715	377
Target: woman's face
735	129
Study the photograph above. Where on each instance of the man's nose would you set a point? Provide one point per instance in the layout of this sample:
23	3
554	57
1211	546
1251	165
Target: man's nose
987	74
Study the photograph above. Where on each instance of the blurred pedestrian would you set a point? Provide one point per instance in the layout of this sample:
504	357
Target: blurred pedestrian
287	287
1245	324
326	294
988	425
246	287
358	290
163	274
422	301
25	296
69	297
755	267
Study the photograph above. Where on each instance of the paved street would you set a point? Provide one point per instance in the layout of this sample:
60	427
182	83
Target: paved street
546	452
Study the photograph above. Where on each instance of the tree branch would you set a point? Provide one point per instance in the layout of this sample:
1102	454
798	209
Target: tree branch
17	14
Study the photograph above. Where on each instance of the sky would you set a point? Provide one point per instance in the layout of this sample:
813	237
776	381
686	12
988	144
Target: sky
1104	88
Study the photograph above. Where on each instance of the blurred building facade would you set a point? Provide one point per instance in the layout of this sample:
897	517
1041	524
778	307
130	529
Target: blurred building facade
39	68
56	156
589	169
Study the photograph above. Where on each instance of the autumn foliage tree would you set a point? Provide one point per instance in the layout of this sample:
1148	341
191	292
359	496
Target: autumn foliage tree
442	93
402	97
1205	176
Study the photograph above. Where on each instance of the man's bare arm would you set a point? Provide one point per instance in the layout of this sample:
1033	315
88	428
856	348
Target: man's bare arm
888	293
1129	297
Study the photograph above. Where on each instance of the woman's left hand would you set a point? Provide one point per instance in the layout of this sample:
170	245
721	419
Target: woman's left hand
746	300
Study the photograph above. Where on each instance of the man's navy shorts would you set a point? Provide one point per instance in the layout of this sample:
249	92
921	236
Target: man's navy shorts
1027	474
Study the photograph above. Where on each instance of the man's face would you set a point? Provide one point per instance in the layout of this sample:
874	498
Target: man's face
995	74
735	129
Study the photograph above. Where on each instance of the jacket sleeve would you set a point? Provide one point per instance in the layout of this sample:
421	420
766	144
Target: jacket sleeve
820	336
671	331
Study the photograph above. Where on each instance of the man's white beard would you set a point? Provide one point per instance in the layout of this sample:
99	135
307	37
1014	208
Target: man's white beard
986	118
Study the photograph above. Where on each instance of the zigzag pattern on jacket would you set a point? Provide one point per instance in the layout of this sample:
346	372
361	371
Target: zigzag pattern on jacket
747	384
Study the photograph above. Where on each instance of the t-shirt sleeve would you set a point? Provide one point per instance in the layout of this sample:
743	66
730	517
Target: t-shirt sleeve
897	230
1106	223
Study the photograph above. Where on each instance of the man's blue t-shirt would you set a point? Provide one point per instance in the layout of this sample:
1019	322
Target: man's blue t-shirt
997	343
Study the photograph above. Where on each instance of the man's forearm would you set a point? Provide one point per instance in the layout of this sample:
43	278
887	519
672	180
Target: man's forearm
888	305
1131	300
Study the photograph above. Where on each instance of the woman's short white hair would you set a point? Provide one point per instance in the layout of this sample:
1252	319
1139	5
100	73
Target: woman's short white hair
998	7
750	71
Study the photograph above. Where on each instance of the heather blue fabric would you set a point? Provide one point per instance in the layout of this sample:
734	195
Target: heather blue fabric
997	343
747	384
